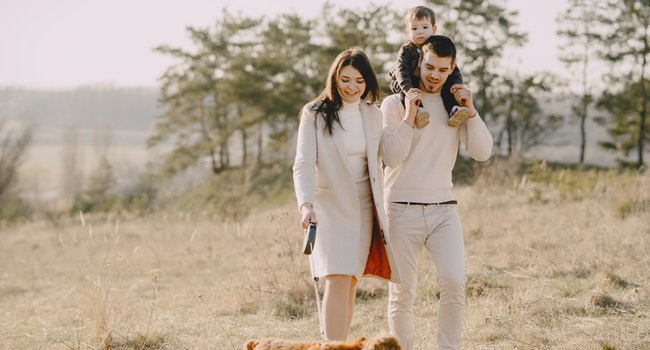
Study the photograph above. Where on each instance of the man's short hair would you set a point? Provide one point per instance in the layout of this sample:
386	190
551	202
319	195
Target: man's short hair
440	45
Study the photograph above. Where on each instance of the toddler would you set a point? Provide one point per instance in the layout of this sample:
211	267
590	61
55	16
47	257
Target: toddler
420	25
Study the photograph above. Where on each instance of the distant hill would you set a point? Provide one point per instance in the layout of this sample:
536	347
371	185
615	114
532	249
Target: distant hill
122	109
130	114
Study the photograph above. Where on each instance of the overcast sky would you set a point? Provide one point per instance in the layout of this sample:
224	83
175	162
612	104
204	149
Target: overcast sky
71	43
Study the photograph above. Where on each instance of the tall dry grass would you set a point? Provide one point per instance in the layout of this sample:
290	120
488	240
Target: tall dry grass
555	260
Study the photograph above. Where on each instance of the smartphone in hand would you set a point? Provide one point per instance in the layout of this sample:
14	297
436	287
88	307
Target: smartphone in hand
310	239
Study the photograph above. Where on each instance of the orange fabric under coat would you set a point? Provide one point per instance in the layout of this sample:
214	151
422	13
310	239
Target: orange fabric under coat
377	264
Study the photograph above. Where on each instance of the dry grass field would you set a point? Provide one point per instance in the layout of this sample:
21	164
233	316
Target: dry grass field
556	260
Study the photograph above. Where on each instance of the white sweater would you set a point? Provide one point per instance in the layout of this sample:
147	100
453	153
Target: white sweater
354	140
419	161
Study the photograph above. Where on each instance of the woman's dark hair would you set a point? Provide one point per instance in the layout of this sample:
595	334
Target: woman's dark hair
329	101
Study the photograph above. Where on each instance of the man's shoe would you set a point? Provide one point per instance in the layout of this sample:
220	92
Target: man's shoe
458	116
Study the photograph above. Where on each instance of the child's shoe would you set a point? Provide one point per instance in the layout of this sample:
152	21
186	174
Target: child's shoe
458	116
422	118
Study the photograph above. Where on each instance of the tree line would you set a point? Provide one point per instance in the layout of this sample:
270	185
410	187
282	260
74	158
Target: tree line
248	77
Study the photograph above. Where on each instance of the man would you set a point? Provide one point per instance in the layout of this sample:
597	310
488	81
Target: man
420	205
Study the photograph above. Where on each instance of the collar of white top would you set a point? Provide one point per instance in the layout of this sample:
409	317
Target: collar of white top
351	106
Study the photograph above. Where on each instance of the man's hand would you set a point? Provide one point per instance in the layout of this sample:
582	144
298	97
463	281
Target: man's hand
464	97
412	100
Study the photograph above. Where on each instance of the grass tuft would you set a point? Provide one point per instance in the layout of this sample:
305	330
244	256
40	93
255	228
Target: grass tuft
374	293
137	342
295	304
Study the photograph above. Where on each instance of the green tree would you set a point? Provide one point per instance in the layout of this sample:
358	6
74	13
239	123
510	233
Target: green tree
371	29
525	125
198	120
100	194
579	26
272	82
482	29
623	125
626	28
143	196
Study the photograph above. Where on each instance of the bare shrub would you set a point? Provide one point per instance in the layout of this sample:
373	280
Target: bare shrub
13	147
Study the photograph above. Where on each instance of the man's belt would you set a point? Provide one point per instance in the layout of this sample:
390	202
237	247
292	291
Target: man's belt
426	204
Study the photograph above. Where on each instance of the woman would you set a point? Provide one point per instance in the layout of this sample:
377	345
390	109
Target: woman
338	174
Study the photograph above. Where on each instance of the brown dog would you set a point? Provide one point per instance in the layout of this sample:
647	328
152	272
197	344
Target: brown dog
379	342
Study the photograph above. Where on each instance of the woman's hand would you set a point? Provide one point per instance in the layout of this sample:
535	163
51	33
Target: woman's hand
308	215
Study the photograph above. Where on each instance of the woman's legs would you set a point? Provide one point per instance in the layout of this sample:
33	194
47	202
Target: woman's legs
340	290
338	305
351	295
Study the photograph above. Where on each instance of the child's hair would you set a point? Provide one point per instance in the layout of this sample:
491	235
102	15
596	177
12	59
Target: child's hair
440	45
420	12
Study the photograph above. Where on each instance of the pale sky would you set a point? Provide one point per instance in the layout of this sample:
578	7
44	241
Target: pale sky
71	43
